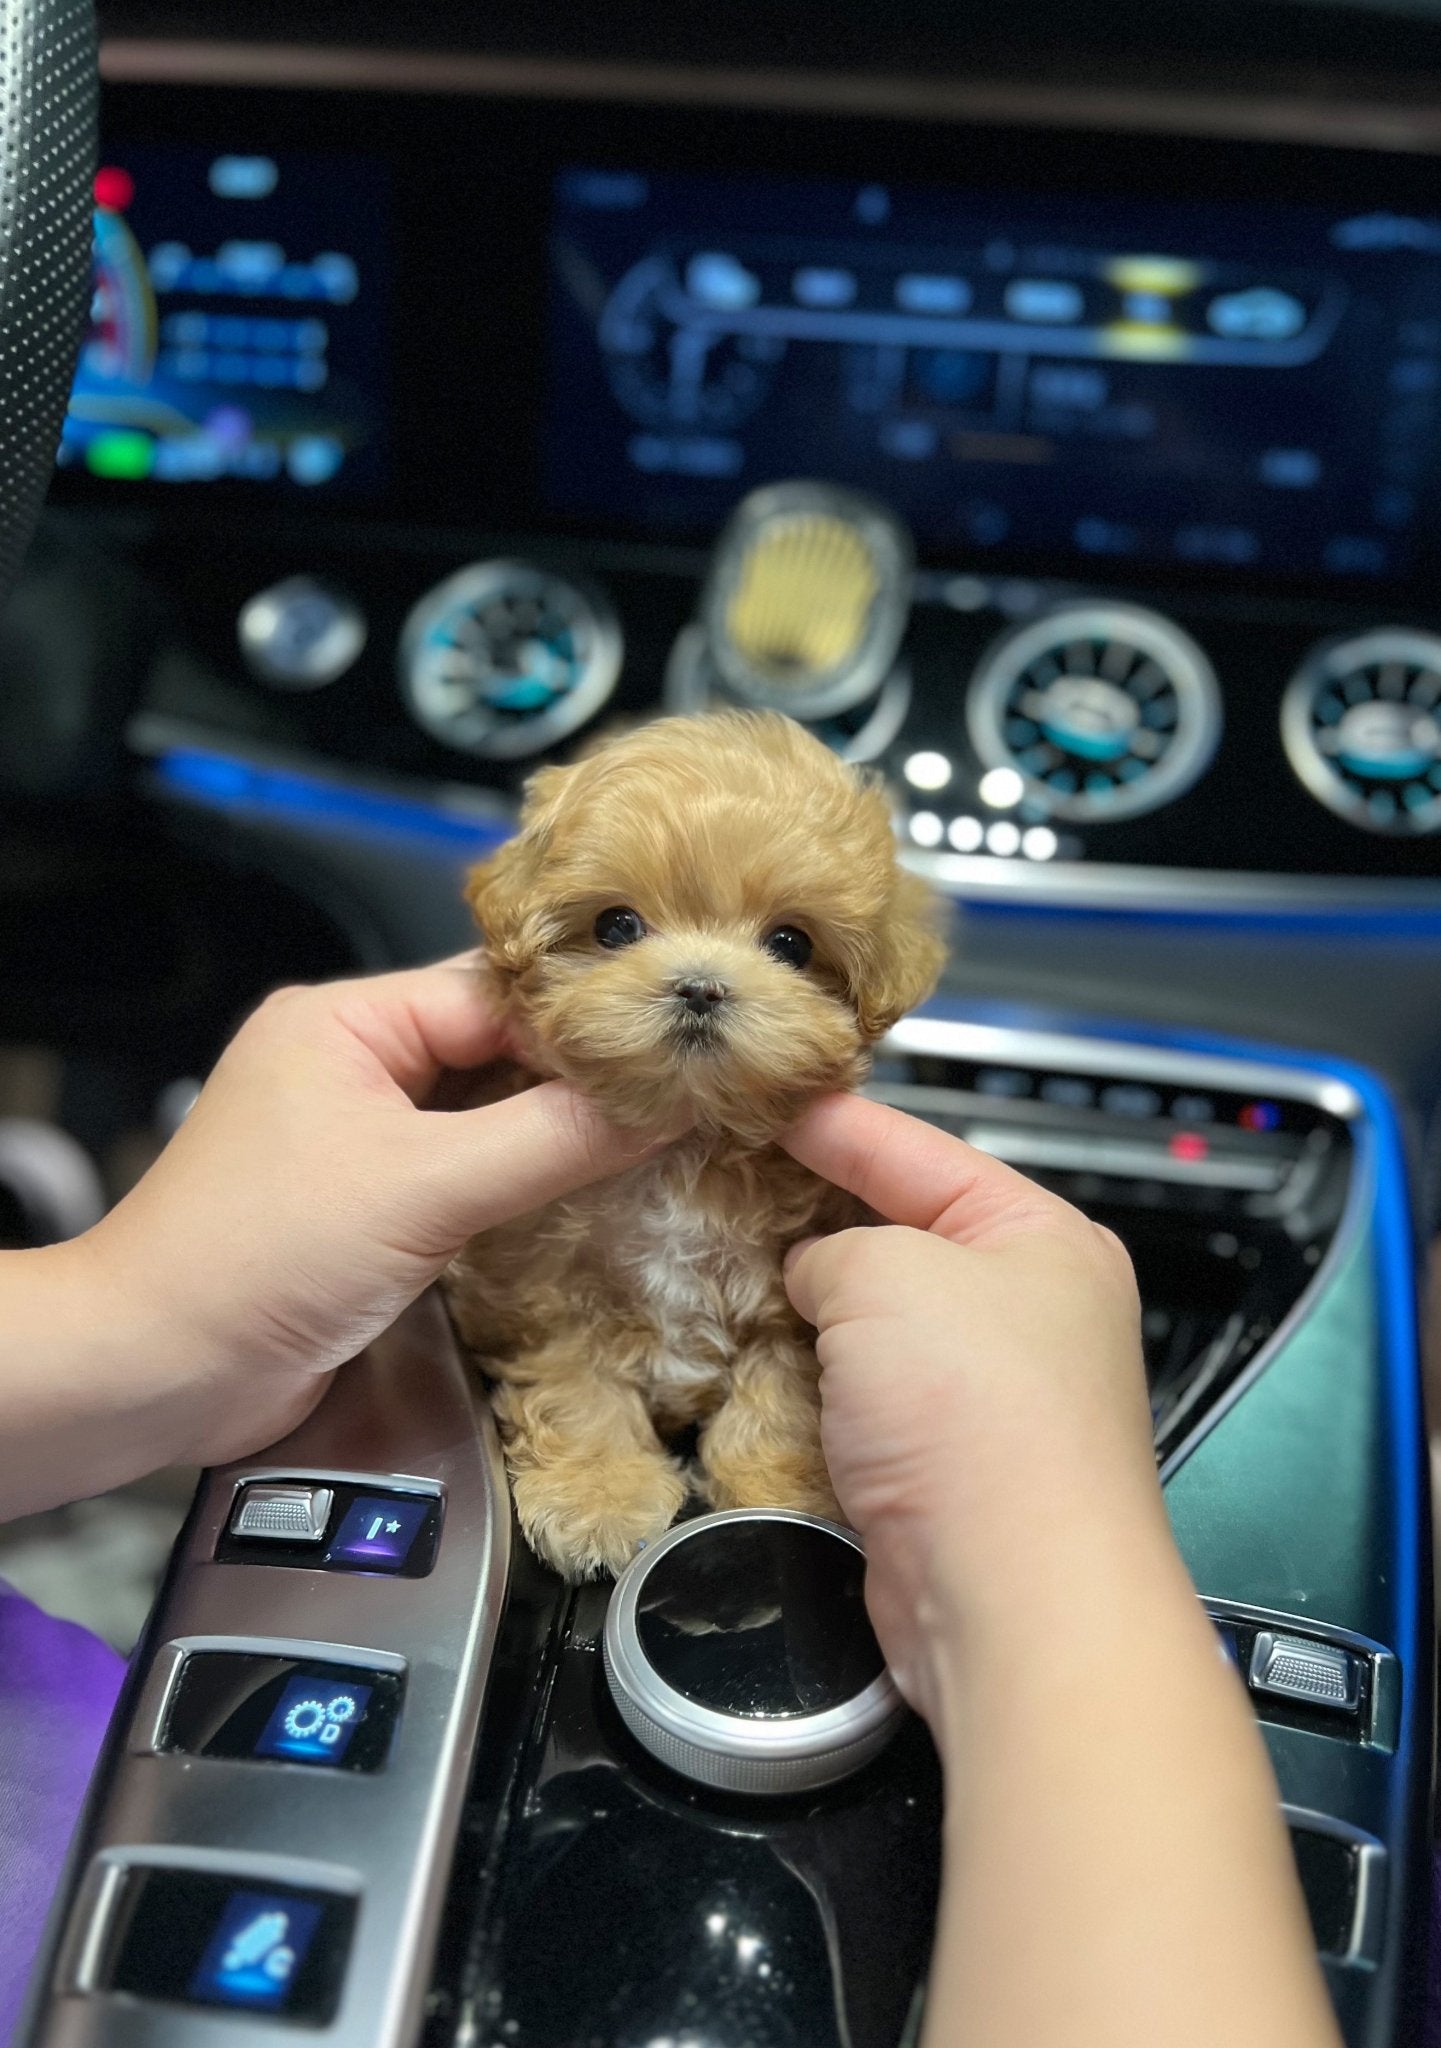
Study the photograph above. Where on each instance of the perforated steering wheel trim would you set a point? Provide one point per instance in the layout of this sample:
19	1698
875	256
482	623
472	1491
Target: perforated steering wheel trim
48	94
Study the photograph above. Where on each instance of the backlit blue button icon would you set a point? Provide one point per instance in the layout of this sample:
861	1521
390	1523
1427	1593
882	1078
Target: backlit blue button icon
376	1534
257	1950
313	1721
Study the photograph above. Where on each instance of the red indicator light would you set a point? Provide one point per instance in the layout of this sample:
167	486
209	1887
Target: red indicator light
1189	1145
114	188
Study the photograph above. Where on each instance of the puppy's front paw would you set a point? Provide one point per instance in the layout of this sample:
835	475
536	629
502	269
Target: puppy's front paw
798	1481
583	1520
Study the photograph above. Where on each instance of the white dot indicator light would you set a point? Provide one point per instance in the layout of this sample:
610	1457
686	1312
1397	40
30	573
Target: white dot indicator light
927	829
1003	837
1001	788
927	771
1040	843
966	834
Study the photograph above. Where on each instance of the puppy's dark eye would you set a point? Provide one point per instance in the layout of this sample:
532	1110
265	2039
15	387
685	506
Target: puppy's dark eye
618	927
788	944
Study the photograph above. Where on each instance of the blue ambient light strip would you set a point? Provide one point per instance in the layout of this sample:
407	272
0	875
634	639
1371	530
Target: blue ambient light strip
229	782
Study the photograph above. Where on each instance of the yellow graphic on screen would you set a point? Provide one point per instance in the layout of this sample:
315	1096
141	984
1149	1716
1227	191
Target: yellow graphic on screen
1150	288
803	596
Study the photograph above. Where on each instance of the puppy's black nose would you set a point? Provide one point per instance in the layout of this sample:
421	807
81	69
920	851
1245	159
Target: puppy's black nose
702	994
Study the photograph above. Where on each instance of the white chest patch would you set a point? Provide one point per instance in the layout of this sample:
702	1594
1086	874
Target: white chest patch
691	1277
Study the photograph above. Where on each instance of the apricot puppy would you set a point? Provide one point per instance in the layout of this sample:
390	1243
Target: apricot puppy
702	926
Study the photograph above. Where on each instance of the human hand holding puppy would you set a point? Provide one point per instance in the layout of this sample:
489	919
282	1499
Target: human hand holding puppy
1116	1868
306	1199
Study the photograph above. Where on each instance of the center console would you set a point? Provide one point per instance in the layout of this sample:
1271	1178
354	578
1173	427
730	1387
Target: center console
378	1772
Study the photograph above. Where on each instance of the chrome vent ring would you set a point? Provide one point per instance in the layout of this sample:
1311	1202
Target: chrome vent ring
1361	724
1105	710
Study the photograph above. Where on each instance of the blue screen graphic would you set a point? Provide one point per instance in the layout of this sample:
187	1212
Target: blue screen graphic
1209	385
377	1533
313	1721
257	1951
237	323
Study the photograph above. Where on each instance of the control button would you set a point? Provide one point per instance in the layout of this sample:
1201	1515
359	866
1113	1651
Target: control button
314	1722
193	1937
1193	1109
1129	1098
1068	1091
283	1514
248	1705
1008	1083
738	1652
300	634
1320	1674
377	1533
256	1951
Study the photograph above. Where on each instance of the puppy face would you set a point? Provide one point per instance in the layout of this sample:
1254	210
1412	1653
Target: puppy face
705	923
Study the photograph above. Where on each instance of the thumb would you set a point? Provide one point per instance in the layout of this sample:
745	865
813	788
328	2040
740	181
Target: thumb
485	1166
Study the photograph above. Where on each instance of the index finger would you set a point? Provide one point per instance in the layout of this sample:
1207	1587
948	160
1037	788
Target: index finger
910	1172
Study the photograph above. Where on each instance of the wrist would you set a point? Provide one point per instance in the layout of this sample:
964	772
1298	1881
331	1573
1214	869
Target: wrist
1061	1607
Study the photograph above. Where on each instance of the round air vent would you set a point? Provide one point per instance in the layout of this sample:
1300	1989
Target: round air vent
1104	710
1361	724
503	659
807	599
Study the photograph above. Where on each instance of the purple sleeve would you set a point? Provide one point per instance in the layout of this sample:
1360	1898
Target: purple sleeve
58	1686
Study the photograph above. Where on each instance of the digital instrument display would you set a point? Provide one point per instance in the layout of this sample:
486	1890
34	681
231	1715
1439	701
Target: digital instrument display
237	329
1216	385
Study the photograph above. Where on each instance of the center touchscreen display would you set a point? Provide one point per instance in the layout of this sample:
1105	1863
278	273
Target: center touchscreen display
1224	385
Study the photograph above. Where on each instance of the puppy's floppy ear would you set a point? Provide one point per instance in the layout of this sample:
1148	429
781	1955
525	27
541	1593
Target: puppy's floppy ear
516	917
909	954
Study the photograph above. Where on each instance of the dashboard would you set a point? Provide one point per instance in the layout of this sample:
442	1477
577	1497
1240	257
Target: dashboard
1069	458
442	432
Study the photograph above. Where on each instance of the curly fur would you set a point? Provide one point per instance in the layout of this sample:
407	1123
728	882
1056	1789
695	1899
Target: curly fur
623	1314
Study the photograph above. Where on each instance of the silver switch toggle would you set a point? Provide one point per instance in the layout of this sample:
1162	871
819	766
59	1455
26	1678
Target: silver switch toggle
284	1514
1320	1674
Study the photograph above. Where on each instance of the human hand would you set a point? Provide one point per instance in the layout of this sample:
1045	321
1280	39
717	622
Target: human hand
984	1411
310	1195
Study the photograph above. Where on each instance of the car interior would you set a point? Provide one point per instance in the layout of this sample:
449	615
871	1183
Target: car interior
1043	405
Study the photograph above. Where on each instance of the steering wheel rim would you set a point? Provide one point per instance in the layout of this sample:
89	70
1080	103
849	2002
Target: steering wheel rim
48	104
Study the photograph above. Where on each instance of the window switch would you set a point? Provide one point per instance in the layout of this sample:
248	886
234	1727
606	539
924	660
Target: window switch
1294	1668
282	1514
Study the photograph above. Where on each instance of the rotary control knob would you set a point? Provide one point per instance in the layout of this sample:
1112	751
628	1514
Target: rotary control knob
738	1652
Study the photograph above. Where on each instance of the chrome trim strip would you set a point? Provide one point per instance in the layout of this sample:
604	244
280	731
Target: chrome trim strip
1084	1152
1368	1920
388	1838
1383	1720
1405	127
929	1032
1077	885
939	1037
